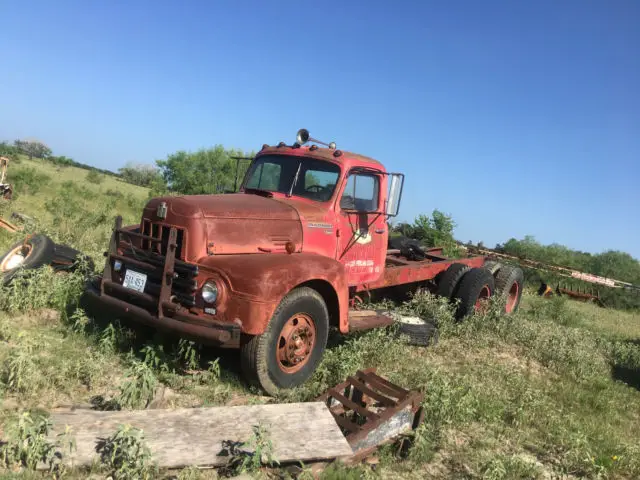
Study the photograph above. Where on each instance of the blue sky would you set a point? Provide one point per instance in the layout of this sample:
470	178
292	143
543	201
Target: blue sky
516	117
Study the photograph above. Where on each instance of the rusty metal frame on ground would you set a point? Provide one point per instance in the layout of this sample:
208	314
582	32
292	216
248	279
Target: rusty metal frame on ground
371	411
9	226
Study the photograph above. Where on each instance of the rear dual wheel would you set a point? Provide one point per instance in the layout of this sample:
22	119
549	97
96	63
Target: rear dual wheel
509	282
476	287
473	287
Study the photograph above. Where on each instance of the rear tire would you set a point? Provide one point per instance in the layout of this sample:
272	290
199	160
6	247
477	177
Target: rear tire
509	282
286	355
476	287
450	280
492	266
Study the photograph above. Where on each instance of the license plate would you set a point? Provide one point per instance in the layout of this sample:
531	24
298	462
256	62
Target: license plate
134	280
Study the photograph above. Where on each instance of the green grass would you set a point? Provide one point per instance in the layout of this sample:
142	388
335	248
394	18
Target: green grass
551	392
66	206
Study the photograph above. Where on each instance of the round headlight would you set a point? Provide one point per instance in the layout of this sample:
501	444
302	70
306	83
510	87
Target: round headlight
209	292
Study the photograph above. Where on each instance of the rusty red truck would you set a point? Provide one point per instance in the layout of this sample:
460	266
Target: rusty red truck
270	269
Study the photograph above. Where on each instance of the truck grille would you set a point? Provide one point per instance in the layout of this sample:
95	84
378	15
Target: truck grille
161	231
183	285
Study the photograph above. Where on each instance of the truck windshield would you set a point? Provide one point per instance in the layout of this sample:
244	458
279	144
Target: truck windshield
277	173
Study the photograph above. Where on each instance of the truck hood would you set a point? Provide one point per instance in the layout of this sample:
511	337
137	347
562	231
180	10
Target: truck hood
230	224
235	205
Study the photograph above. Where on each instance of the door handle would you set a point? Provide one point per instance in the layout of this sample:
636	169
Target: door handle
379	230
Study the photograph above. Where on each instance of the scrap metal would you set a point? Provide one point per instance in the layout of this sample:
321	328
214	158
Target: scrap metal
371	411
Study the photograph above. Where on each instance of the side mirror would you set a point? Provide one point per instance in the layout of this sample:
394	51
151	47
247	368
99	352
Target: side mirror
396	181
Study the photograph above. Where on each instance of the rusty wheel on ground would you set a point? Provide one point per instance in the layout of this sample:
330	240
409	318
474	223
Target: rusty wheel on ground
509	282
476	288
32	252
292	345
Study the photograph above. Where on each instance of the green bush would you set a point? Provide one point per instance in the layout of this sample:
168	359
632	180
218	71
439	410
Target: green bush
27	445
94	177
27	180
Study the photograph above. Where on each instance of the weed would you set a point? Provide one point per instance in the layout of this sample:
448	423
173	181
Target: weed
27	445
108	339
126	455
248	457
155	358
20	373
79	321
212	374
139	388
188	354
113	338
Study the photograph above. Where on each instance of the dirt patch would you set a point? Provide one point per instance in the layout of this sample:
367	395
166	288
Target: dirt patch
512	357
40	318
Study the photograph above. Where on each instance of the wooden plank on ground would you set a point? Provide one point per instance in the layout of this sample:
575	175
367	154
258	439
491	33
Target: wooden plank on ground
194	436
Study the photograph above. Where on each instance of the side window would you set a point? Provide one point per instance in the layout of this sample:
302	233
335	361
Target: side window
361	193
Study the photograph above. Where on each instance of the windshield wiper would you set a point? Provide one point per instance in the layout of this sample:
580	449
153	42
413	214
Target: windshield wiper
259	191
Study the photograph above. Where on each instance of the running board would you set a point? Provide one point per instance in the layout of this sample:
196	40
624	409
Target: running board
367	319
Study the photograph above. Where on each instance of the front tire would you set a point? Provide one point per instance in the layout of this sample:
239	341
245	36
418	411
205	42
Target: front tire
291	347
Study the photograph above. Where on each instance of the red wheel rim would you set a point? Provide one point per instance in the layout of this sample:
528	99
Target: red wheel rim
483	299
295	343
512	299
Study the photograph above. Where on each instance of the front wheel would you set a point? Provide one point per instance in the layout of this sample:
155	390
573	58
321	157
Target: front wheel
291	347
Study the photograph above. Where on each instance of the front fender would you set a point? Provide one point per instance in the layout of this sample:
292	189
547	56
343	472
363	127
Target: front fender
258	282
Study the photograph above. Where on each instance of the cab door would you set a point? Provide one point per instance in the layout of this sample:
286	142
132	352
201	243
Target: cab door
362	228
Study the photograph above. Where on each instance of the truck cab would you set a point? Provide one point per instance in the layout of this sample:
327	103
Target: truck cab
341	200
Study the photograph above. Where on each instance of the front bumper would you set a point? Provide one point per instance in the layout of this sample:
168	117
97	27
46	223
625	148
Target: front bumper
186	325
